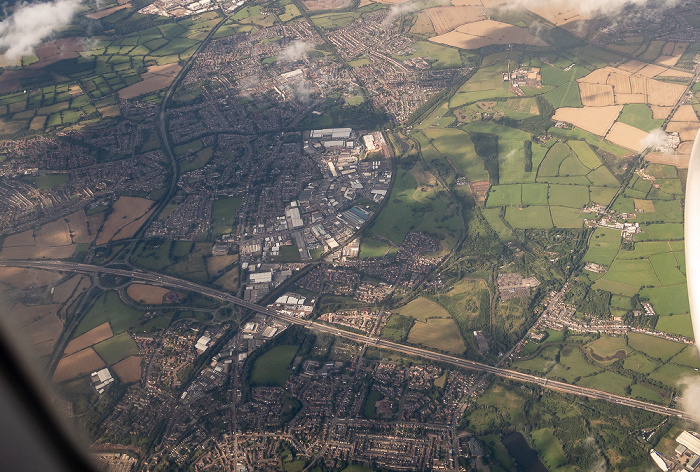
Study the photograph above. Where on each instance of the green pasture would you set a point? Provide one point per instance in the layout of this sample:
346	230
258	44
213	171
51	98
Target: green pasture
653	346
668	300
116	348
271	369
640	116
535	217
604	245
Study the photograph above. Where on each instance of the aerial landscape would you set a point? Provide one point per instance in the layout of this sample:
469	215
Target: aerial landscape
356	235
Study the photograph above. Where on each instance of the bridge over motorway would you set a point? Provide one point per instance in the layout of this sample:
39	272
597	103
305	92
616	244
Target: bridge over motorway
177	283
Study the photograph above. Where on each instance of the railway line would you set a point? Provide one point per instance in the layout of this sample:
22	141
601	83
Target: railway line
177	283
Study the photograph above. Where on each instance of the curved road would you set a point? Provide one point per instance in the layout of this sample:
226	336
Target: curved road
174	282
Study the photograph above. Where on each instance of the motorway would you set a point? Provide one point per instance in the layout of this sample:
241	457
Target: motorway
174	282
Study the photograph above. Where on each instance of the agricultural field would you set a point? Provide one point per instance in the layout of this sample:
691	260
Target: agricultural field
82	362
146	294
116	348
126	217
108	307
128	370
94	336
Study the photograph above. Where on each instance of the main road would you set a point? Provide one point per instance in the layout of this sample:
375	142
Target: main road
174	282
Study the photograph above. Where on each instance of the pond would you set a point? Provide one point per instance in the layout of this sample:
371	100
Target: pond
520	450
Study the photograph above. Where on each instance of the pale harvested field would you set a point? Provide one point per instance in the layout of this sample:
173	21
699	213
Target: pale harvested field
632	66
620	82
646	206
217	263
671	52
685	113
37	252
23	278
130	229
596	120
94	336
651	70
37	123
77	222
155	78
625	98
685	148
63	292
111	110
107	11
660	113
26	238
56	233
82	362
627	136
446	19
599	76
687	131
662	93
470	2
681	161
559	13
228	281
124	211
146	294
676	73
314	5
639	84
487	32
37	326
596	95
129	369
94	222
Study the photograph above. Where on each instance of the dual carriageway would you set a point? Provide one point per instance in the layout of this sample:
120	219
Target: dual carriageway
177	283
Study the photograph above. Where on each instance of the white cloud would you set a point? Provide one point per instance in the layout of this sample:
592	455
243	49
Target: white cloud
655	140
32	23
597	7
295	51
690	399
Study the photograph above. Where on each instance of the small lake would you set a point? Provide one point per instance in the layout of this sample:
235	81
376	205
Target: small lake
520	450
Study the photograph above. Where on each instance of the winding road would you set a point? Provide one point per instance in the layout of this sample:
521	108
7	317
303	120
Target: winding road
174	282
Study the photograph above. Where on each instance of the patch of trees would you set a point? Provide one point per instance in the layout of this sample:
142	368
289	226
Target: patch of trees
486	146
527	146
596	303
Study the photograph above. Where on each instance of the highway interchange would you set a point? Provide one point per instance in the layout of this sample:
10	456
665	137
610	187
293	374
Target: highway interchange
174	282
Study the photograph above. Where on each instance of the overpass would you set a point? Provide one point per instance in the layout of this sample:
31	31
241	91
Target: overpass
174	282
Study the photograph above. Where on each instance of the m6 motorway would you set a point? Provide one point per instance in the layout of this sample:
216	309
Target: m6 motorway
174	282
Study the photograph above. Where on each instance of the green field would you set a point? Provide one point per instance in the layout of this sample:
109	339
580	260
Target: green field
439	56
529	217
654	347
639	115
604	246
373	248
549	447
108	307
370	407
423	309
660	232
441	334
504	195
573	196
418	203
535	194
498	224
270	369
458	147
668	300
608	382
116	348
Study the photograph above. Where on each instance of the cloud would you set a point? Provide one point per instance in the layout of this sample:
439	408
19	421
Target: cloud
690	399
655	140
598	7
31	23
397	10
295	51
303	90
